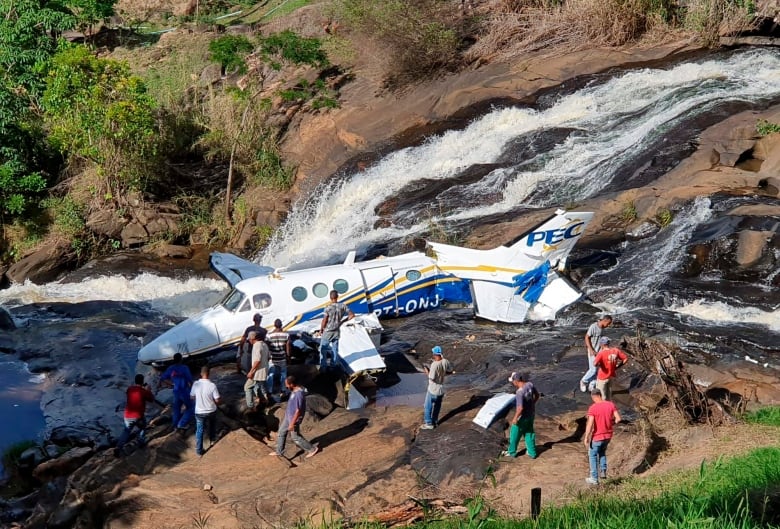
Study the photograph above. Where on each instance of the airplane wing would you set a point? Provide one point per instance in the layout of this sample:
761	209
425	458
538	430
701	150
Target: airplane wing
233	269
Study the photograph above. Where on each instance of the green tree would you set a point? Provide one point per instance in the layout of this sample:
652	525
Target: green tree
229	51
90	12
18	188
94	109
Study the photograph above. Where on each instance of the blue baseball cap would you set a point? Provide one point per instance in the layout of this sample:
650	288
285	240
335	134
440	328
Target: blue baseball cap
436	350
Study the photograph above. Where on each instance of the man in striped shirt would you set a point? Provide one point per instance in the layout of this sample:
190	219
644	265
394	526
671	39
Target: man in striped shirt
279	344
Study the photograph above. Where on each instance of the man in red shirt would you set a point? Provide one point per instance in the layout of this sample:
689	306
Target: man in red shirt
137	396
607	362
602	416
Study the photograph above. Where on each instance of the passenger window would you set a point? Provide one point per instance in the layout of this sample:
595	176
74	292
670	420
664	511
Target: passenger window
340	286
413	275
320	290
261	301
244	307
299	294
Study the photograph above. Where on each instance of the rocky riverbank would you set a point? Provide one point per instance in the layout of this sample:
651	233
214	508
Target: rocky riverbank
374	460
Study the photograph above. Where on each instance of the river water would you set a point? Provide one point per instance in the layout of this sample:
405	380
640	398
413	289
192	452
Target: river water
616	132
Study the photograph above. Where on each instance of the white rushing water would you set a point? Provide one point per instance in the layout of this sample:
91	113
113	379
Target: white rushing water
719	312
613	122
170	296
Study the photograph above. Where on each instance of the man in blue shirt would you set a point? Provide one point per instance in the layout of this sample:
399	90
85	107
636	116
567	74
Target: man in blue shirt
293	416
179	377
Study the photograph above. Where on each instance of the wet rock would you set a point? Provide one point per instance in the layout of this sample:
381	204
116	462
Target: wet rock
63	465
32	457
6	321
65	514
43	265
751	246
643	231
170	250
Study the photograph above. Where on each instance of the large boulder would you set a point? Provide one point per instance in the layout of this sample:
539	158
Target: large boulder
43	265
6	321
63	465
106	222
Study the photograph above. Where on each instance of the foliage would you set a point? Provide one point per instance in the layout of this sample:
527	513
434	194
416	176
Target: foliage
709	19
418	38
629	213
765	128
235	126
28	38
90	12
664	217
769	415
97	111
68	216
292	47
12	454
316	92
18	188
229	51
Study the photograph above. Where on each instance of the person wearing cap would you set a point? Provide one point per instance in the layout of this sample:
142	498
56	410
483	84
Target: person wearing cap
522	424
280	347
242	350
607	362
440	367
592	337
602	416
258	372
330	329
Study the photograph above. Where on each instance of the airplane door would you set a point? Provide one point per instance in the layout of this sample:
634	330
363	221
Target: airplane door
380	290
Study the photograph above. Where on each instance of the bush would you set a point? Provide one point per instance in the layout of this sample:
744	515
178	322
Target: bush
294	48
769	415
97	111
229	51
765	128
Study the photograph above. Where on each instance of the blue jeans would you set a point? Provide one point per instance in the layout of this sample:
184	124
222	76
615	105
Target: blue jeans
181	420
296	436
273	371
590	374
207	420
329	348
597	455
432	408
130	425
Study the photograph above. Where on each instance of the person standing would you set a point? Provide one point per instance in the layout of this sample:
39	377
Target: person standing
522	424
602	416
258	372
256	328
280	347
206	396
331	329
440	368
291	424
592	337
607	362
179	377
138	394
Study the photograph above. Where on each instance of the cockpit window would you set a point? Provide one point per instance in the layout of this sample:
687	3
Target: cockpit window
233	300
244	306
340	286
320	290
413	275
261	301
299	294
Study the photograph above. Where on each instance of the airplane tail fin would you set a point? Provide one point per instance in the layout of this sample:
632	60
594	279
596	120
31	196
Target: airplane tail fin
519	280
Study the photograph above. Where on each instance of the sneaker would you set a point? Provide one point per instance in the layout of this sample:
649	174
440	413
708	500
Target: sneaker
603	476
427	426
313	451
583	387
505	453
591	481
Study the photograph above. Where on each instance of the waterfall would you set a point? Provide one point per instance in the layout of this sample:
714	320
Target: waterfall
610	123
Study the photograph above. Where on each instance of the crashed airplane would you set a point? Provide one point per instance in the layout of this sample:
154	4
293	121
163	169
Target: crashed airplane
509	283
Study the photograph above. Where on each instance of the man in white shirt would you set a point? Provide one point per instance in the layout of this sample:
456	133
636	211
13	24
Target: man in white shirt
206	396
